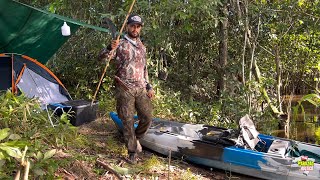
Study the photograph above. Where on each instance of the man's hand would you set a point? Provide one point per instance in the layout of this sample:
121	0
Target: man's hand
150	93
114	44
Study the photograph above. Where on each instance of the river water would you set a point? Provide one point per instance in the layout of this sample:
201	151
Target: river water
301	126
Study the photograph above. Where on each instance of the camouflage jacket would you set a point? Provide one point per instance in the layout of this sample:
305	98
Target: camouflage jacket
131	64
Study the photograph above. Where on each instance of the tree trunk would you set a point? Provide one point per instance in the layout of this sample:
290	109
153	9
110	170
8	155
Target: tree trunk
223	49
278	70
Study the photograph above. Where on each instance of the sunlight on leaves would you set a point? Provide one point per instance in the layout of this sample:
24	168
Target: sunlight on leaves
301	2
11	151
49	154
317	133
4	133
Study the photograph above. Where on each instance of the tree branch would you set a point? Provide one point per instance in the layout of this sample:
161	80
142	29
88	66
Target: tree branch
109	168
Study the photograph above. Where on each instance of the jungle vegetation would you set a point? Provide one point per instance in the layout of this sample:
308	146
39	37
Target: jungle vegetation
223	59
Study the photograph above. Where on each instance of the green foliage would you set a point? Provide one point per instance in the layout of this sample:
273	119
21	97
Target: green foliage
20	114
267	123
313	99
24	124
43	164
188	34
152	164
171	105
188	175
70	138
317	133
9	148
114	147
10	154
121	170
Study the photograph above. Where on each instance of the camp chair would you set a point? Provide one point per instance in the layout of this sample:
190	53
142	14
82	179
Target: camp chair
58	110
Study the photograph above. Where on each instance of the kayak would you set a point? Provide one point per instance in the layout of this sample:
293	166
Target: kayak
244	150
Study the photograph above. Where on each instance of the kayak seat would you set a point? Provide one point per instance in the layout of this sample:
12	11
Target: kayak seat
279	147
249	135
218	136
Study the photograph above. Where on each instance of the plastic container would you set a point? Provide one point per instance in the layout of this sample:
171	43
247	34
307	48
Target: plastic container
79	111
65	29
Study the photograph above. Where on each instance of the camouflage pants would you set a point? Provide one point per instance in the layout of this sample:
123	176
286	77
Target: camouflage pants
129	101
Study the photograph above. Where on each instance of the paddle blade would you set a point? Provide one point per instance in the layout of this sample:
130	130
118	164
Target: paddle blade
107	23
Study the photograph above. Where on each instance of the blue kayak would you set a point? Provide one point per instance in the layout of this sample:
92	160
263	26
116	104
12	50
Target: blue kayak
242	151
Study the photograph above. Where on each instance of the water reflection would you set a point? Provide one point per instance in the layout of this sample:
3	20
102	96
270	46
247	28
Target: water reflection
300	127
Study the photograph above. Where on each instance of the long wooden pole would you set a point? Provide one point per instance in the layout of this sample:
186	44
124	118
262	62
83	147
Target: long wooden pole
109	58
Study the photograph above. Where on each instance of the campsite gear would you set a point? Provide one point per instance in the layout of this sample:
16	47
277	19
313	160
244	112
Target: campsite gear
79	111
27	75
65	30
112	51
271	158
34	32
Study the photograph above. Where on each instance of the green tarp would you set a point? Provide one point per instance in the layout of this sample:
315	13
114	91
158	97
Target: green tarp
32	31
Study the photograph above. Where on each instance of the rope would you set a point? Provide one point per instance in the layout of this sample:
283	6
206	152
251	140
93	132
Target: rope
118	38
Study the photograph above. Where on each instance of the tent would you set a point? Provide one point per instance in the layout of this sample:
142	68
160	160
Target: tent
21	73
32	31
36	33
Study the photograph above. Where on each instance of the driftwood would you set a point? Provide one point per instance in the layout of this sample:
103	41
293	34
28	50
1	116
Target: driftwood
109	168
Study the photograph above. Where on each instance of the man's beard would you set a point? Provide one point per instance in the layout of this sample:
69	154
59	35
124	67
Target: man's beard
132	35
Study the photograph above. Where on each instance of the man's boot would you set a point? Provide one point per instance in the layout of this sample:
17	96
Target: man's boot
132	158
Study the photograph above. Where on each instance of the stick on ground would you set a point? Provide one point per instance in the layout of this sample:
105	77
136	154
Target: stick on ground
109	168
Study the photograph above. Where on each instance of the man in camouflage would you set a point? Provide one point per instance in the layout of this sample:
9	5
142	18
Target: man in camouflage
133	92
